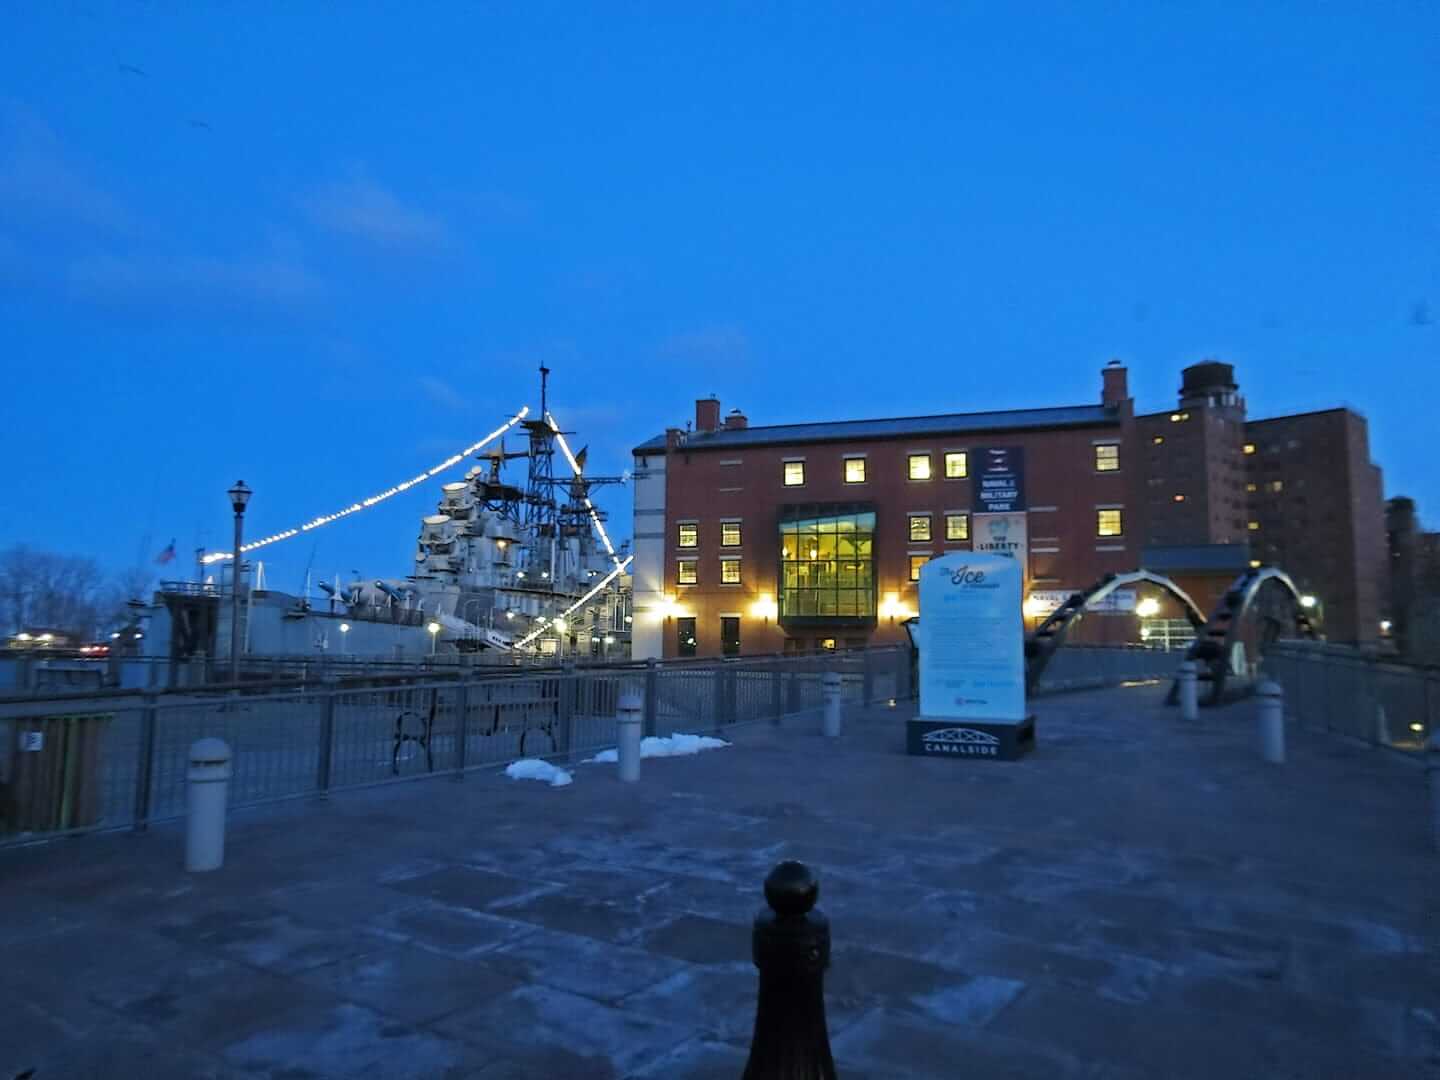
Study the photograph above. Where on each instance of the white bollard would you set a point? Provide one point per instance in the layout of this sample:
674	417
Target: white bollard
628	717
207	787
1382	727
1432	771
830	684
1189	691
1270	714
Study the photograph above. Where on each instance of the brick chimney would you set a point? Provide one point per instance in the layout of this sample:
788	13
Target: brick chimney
736	421
1115	388
707	413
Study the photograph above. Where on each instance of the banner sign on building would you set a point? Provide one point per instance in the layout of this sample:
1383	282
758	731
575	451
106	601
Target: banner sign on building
999	480
1042	602
1000	534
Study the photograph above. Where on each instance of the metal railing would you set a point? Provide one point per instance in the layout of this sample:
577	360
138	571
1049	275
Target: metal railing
1353	692
103	761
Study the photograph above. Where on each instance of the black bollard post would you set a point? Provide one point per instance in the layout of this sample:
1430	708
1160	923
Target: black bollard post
791	947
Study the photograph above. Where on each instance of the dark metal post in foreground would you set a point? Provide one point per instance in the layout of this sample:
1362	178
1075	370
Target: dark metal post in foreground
791	947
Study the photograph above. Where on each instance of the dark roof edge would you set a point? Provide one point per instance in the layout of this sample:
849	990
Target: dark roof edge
656	444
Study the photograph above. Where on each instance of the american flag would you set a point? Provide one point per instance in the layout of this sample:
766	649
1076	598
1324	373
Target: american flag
166	555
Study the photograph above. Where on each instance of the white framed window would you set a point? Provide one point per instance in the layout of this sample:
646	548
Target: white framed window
1109	522
794	473
919	526
1107	457
685	572
730	534
854	470
729	571
918	466
688	534
957	526
957	464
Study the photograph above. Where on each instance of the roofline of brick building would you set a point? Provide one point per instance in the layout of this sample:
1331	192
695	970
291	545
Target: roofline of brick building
907	427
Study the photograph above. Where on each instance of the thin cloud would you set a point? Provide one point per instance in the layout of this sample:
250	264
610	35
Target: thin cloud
41	184
720	344
364	210
442	393
185	281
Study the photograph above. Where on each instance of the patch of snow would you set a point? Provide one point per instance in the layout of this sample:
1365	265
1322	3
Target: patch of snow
677	745
534	769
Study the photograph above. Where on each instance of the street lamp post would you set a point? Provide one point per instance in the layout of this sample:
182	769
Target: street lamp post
434	629
239	496
344	639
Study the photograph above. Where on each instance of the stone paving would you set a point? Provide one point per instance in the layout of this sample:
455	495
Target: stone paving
1138	898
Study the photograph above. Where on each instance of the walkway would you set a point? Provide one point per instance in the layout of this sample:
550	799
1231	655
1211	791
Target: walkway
1137	899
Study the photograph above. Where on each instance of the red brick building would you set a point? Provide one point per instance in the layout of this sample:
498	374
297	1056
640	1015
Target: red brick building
803	536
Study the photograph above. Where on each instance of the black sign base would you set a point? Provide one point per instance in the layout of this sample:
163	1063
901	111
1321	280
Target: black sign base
984	740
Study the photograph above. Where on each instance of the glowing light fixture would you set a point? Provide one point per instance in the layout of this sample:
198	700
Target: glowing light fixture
764	608
22	636
1417	727
1308	601
344	627
560	626
619	569
1148	608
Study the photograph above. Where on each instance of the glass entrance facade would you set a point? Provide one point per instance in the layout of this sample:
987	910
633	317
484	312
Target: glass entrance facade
827	564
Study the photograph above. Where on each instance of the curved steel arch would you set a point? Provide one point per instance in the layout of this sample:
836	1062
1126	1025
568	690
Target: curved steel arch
1050	635
1212	648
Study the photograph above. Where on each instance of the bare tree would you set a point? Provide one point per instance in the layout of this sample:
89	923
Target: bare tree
48	589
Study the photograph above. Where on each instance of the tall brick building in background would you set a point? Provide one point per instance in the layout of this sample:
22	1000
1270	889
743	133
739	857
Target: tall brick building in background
801	536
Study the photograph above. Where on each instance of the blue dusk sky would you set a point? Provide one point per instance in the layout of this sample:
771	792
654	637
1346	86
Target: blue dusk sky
322	247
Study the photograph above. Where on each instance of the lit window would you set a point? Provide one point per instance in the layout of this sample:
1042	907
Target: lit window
729	571
854	470
1107	457
1254	526
957	464
1254	564
919	466
827	644
957	526
730	534
1157	440
1277	485
689	535
916	562
794	473
920	527
1252	487
1109	523
1179	497
1249	448
685	572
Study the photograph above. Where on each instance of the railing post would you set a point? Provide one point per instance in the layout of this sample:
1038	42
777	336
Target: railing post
144	765
1270	715
867	693
569	690
462	726
728	699
777	690
652	696
830	684
1432	773
790	945
327	741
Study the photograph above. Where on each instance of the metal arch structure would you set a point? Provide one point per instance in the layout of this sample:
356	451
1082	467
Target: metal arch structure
1050	635
1215	643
